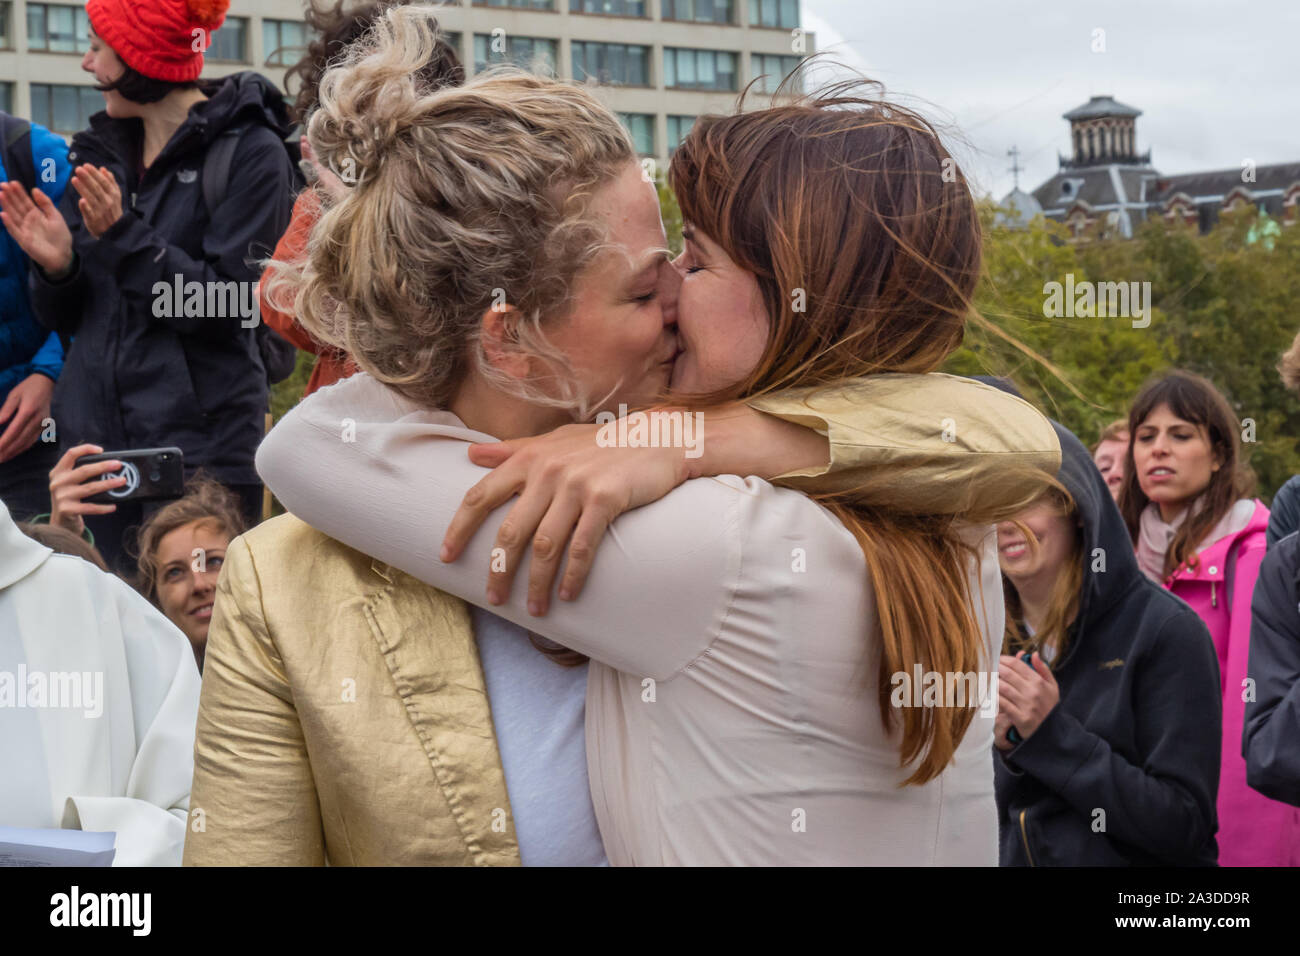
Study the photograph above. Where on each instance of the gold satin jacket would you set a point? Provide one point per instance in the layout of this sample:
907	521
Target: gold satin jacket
344	717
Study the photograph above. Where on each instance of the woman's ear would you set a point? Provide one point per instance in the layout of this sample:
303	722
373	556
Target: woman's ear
500	336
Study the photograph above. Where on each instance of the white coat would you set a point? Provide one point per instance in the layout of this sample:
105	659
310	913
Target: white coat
99	694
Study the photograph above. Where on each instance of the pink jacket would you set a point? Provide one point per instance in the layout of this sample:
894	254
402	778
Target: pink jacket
1253	830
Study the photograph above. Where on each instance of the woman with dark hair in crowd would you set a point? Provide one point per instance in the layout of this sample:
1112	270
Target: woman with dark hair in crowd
1195	530
333	30
156	289
738	709
1108	730
182	547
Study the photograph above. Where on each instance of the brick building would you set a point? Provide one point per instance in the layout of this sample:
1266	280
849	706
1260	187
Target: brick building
1107	184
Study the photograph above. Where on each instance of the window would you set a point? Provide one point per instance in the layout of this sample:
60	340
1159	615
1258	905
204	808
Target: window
518	4
772	68
531	53
699	69
702	11
283	41
65	109
610	8
7	97
642	128
678	127
57	28
6	37
774	13
229	42
617	64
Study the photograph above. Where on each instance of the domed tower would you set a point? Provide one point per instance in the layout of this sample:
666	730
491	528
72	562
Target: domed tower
1104	131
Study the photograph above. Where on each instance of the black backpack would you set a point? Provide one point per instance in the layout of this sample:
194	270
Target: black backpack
278	356
16	135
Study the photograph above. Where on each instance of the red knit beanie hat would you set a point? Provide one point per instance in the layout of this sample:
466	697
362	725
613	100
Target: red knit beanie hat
161	39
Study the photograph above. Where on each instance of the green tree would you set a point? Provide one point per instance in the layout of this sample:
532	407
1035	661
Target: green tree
1221	307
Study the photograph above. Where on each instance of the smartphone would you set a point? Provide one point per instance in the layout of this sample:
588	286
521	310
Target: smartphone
150	473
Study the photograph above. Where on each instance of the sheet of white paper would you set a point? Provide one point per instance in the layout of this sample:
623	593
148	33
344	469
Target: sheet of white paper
20	846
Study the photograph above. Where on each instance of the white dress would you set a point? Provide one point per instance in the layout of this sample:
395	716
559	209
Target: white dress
99	694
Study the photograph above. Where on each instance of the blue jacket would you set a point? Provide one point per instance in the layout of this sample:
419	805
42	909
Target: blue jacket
25	345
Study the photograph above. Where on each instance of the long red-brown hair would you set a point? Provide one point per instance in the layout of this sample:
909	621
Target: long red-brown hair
851	208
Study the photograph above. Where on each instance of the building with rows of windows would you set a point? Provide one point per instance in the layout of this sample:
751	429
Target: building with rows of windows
659	63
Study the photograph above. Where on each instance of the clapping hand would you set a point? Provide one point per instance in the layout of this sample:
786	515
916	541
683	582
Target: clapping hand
101	199
37	226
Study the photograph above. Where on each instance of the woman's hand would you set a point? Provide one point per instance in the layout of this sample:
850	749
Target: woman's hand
1026	694
37	226
1001	724
325	178
67	490
569	487
101	200
25	410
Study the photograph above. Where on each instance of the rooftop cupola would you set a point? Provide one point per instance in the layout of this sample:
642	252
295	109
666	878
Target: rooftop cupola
1103	131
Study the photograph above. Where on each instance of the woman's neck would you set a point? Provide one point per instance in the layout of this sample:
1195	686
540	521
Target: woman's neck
1035	593
485	408
162	119
1170	510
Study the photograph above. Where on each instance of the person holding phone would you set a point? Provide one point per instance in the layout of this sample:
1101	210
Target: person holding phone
71	484
157	290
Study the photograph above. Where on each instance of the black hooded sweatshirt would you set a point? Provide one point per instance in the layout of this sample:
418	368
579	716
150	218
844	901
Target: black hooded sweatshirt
1125	769
135	376
1271	735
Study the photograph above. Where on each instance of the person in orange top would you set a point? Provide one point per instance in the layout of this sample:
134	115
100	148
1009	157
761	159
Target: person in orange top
331	364
334	31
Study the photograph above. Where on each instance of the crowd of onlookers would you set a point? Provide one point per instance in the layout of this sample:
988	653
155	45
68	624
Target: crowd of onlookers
96	233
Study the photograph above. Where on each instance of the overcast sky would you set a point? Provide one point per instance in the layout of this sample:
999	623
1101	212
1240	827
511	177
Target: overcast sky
1218	81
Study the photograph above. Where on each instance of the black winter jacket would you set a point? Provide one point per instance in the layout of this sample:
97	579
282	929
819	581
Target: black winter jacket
1284	512
1137	732
1271	735
135	376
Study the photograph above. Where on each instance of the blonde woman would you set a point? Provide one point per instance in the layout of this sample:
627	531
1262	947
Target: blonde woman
499	270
